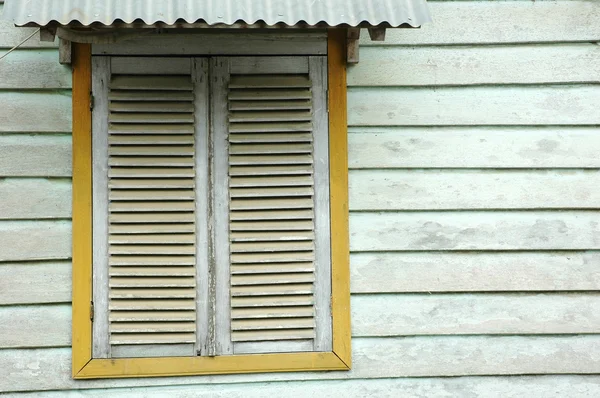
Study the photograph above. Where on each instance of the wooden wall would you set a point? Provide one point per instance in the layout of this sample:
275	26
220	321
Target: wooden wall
475	230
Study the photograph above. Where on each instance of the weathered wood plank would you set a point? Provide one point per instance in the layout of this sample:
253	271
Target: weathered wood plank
484	22
572	386
480	147
221	43
375	316
27	69
474	272
40	326
35	283
457	66
35	240
35	198
49	369
502	230
482	105
473	189
35	156
48	112
375	273
463	314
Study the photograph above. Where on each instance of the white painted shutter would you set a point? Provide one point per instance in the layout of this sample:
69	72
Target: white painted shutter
274	212
145	215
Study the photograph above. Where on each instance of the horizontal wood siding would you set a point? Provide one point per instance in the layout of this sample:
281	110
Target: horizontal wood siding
475	233
491	387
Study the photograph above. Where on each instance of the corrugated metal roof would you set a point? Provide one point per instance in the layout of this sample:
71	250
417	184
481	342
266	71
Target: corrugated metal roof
219	12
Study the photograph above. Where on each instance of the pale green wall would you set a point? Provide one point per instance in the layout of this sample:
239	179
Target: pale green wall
475	167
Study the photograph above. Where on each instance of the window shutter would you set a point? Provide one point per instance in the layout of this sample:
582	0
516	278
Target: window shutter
272	206
145	208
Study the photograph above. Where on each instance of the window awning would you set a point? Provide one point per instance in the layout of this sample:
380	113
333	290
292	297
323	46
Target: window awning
259	13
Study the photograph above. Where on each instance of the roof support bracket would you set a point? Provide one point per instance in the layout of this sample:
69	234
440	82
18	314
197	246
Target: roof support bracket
47	34
64	52
377	34
352	45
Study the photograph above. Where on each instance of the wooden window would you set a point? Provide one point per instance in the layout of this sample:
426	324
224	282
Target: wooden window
210	214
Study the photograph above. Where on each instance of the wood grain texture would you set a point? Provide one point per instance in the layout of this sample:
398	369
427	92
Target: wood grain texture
34	112
35	198
464	314
487	22
338	191
221	43
35	156
474	189
29	326
35	240
475	272
573	386
446	106
49	369
375	316
82	208
474	147
27	283
458	66
526	230
29	69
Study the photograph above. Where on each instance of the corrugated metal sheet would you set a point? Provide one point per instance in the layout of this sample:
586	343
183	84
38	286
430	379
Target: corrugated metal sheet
215	12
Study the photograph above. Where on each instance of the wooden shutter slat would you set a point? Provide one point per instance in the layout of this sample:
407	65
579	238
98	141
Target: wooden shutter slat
152	327
265	247
168	293
150	129
152	150
277	301
272	290
268	95
146	316
152	338
277	236
257	160
146	183
287	225
149	95
272	149
147	305
127	218
269	105
269	204
262	128
153	172
127	281
269	81
250	182
152	239
263	335
152	249
157	196
158	107
297	277
156	139
274	324
264	268
272	312
246	171
276	137
151	271
268	192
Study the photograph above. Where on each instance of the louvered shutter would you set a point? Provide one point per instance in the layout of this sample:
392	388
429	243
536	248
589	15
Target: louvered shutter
147	214
271	204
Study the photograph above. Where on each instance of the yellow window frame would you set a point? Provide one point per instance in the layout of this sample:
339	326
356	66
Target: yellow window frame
86	367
